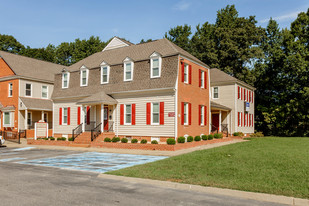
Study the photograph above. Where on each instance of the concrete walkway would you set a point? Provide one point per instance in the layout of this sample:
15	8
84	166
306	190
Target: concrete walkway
125	151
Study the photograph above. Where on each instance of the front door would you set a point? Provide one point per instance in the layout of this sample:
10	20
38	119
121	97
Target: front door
215	122
105	118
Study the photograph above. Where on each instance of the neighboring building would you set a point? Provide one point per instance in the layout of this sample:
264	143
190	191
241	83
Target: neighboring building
26	85
153	90
232	103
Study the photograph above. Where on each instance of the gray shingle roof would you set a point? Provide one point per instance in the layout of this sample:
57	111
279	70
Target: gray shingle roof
219	106
32	68
97	98
37	104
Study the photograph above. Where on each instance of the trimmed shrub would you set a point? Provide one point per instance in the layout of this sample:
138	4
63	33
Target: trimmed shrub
115	139
218	136
61	139
257	134
134	141
190	139
236	134
197	138
171	141
181	140
52	138
107	139
143	141
45	138
71	139
124	140
210	137
154	142
204	137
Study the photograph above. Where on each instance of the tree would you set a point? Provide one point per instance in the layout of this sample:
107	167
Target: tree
10	44
180	35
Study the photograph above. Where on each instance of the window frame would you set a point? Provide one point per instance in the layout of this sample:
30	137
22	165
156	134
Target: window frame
29	112
213	93
126	61
63	109
10	90
151	110
10	119
82	70
202	115
125	114
185	113
30	90
68	80
46	92
186	73
153	57
202	79
108	71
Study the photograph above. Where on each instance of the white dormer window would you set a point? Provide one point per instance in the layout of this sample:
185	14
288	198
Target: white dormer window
155	65
128	69
65	79
84	73
104	73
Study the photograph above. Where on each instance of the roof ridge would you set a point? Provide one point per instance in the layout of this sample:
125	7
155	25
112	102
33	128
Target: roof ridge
171	44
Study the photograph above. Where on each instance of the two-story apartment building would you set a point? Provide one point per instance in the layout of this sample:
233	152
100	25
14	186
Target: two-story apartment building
232	103
153	90
26	85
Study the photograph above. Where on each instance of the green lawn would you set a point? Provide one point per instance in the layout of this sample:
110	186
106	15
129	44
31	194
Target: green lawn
269	165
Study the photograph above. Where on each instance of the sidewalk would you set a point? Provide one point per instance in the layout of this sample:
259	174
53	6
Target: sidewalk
124	151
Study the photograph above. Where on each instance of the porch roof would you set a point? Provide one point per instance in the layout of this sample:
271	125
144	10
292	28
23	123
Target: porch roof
7	108
37	104
100	97
219	106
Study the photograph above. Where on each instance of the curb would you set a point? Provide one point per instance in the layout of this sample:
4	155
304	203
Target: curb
213	190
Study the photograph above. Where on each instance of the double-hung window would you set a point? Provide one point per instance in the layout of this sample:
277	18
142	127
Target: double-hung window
202	79
128	114
65	116
185	114
104	74
44	92
155	65
215	92
155	113
28	90
65	80
10	89
7	119
29	118
128	71
202	115
83	77
186	73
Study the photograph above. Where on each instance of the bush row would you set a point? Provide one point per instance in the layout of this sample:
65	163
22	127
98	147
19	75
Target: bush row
199	138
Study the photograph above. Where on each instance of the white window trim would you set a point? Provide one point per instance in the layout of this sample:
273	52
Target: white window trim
213	93
46	92
125	115
128	60
29	112
9	95
26	90
186	81
202	115
81	76
10	115
68	80
153	123
202	78
63	116
155	55
108	71
186	108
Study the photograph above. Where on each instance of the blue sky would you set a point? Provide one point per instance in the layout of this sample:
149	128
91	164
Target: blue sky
36	23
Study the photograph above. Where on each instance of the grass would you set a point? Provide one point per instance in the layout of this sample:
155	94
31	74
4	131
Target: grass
275	165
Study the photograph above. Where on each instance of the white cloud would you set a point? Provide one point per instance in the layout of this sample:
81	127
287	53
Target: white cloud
181	6
283	18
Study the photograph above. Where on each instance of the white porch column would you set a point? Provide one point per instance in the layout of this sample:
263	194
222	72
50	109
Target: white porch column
114	115
26	119
102	118
42	115
220	121
83	118
95	115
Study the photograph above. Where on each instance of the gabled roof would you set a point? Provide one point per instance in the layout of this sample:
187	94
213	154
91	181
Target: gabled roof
32	68
219	77
100	97
116	43
137	52
215	105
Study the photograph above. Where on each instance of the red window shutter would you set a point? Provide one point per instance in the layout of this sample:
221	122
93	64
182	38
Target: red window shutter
252	120
60	116
205	115
200	78
199	114
182	72
238	92
148	111
162	113
133	114
78	115
242	94
247	95
190	114
69	115
238	118
121	114
242	122
205	79
88	115
190	74
252	97
182	113
247	120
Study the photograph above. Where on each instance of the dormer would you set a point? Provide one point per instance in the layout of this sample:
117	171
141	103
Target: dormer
128	68
65	78
116	43
105	68
84	74
155	65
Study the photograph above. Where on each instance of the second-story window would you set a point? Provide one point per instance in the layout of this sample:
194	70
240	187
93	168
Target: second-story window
155	65
128	71
216	93
84	77
10	89
28	90
202	79
104	74
186	73
65	79
44	92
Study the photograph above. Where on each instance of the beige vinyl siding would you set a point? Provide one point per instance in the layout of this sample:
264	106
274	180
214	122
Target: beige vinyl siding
140	128
36	89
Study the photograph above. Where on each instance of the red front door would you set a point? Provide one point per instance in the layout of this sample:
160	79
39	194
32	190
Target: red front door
215	122
105	118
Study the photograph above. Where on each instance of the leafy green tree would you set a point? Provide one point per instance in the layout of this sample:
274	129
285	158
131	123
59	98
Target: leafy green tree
10	44
180	35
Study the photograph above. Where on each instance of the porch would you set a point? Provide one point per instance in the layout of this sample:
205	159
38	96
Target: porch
220	118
